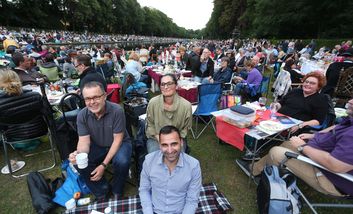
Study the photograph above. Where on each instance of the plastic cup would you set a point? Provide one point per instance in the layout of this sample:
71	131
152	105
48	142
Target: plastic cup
70	204
82	160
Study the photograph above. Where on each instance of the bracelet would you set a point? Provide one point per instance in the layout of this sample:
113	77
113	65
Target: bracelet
104	165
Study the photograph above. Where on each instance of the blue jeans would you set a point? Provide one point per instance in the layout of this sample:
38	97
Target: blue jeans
120	165
239	87
200	79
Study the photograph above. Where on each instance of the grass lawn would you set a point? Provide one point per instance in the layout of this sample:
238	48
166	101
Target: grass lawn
217	163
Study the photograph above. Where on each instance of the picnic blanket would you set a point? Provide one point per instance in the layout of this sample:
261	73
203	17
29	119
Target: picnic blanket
211	201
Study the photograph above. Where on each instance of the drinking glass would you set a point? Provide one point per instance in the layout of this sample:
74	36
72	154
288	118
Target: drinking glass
262	103
274	109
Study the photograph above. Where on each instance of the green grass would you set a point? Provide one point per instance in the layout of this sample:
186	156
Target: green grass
217	163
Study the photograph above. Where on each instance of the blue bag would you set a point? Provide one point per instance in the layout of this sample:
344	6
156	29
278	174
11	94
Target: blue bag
73	183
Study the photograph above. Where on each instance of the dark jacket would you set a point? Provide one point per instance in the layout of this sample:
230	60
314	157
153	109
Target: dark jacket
223	76
184	61
209	71
193	63
29	77
90	75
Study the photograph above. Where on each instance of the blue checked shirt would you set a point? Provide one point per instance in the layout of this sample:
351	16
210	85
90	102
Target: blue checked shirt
175	192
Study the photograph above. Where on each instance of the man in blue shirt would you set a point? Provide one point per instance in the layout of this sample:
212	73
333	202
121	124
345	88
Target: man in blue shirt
170	179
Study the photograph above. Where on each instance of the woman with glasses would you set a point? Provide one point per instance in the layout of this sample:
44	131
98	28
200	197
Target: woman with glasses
167	108
306	103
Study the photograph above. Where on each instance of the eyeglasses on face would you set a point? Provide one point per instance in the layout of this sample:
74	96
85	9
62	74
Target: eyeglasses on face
167	84
95	98
310	82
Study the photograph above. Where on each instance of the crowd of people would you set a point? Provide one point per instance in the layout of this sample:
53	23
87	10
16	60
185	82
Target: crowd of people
171	179
25	36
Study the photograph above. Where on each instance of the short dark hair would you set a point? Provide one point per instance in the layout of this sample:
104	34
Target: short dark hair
226	59
84	59
93	84
169	129
49	57
170	75
17	58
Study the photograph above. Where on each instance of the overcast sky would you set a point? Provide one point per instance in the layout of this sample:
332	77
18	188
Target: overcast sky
191	14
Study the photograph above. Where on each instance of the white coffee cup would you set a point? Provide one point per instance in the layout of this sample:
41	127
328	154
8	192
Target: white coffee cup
82	160
70	204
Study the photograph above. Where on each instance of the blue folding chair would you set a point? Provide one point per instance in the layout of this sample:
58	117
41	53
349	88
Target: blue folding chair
256	93
208	99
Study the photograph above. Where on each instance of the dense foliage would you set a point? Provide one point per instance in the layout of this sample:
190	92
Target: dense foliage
281	19
108	16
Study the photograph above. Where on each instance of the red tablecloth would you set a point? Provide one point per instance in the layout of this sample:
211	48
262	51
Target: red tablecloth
234	135
187	74
230	133
116	95
190	95
157	77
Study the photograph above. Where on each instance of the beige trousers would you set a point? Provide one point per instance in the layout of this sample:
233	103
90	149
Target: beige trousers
308	173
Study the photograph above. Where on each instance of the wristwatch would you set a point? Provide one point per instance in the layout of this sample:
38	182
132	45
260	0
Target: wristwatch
104	165
301	126
300	148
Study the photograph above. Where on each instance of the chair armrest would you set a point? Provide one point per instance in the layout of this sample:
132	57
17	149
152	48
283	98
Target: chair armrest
317	127
311	162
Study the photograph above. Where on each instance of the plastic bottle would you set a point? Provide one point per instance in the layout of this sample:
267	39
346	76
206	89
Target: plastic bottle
83	201
108	210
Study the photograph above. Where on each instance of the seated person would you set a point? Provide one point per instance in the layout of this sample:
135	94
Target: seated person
23	65
49	68
167	108
306	103
86	72
240	59
332	148
102	134
170	179
224	74
15	102
252	83
69	69
10	83
206	68
295	75
134	67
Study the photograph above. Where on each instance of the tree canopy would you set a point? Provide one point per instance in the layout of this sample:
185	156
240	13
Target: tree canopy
107	16
281	19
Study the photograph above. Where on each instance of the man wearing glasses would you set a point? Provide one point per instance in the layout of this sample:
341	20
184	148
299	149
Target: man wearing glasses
86	72
102	134
167	108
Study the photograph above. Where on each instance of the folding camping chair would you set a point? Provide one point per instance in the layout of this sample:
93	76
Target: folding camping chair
23	119
208	95
346	176
344	89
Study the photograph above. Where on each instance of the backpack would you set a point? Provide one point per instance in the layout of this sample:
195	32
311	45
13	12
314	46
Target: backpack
40	192
277	192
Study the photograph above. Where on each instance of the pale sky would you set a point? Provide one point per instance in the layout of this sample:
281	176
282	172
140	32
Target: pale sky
191	14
